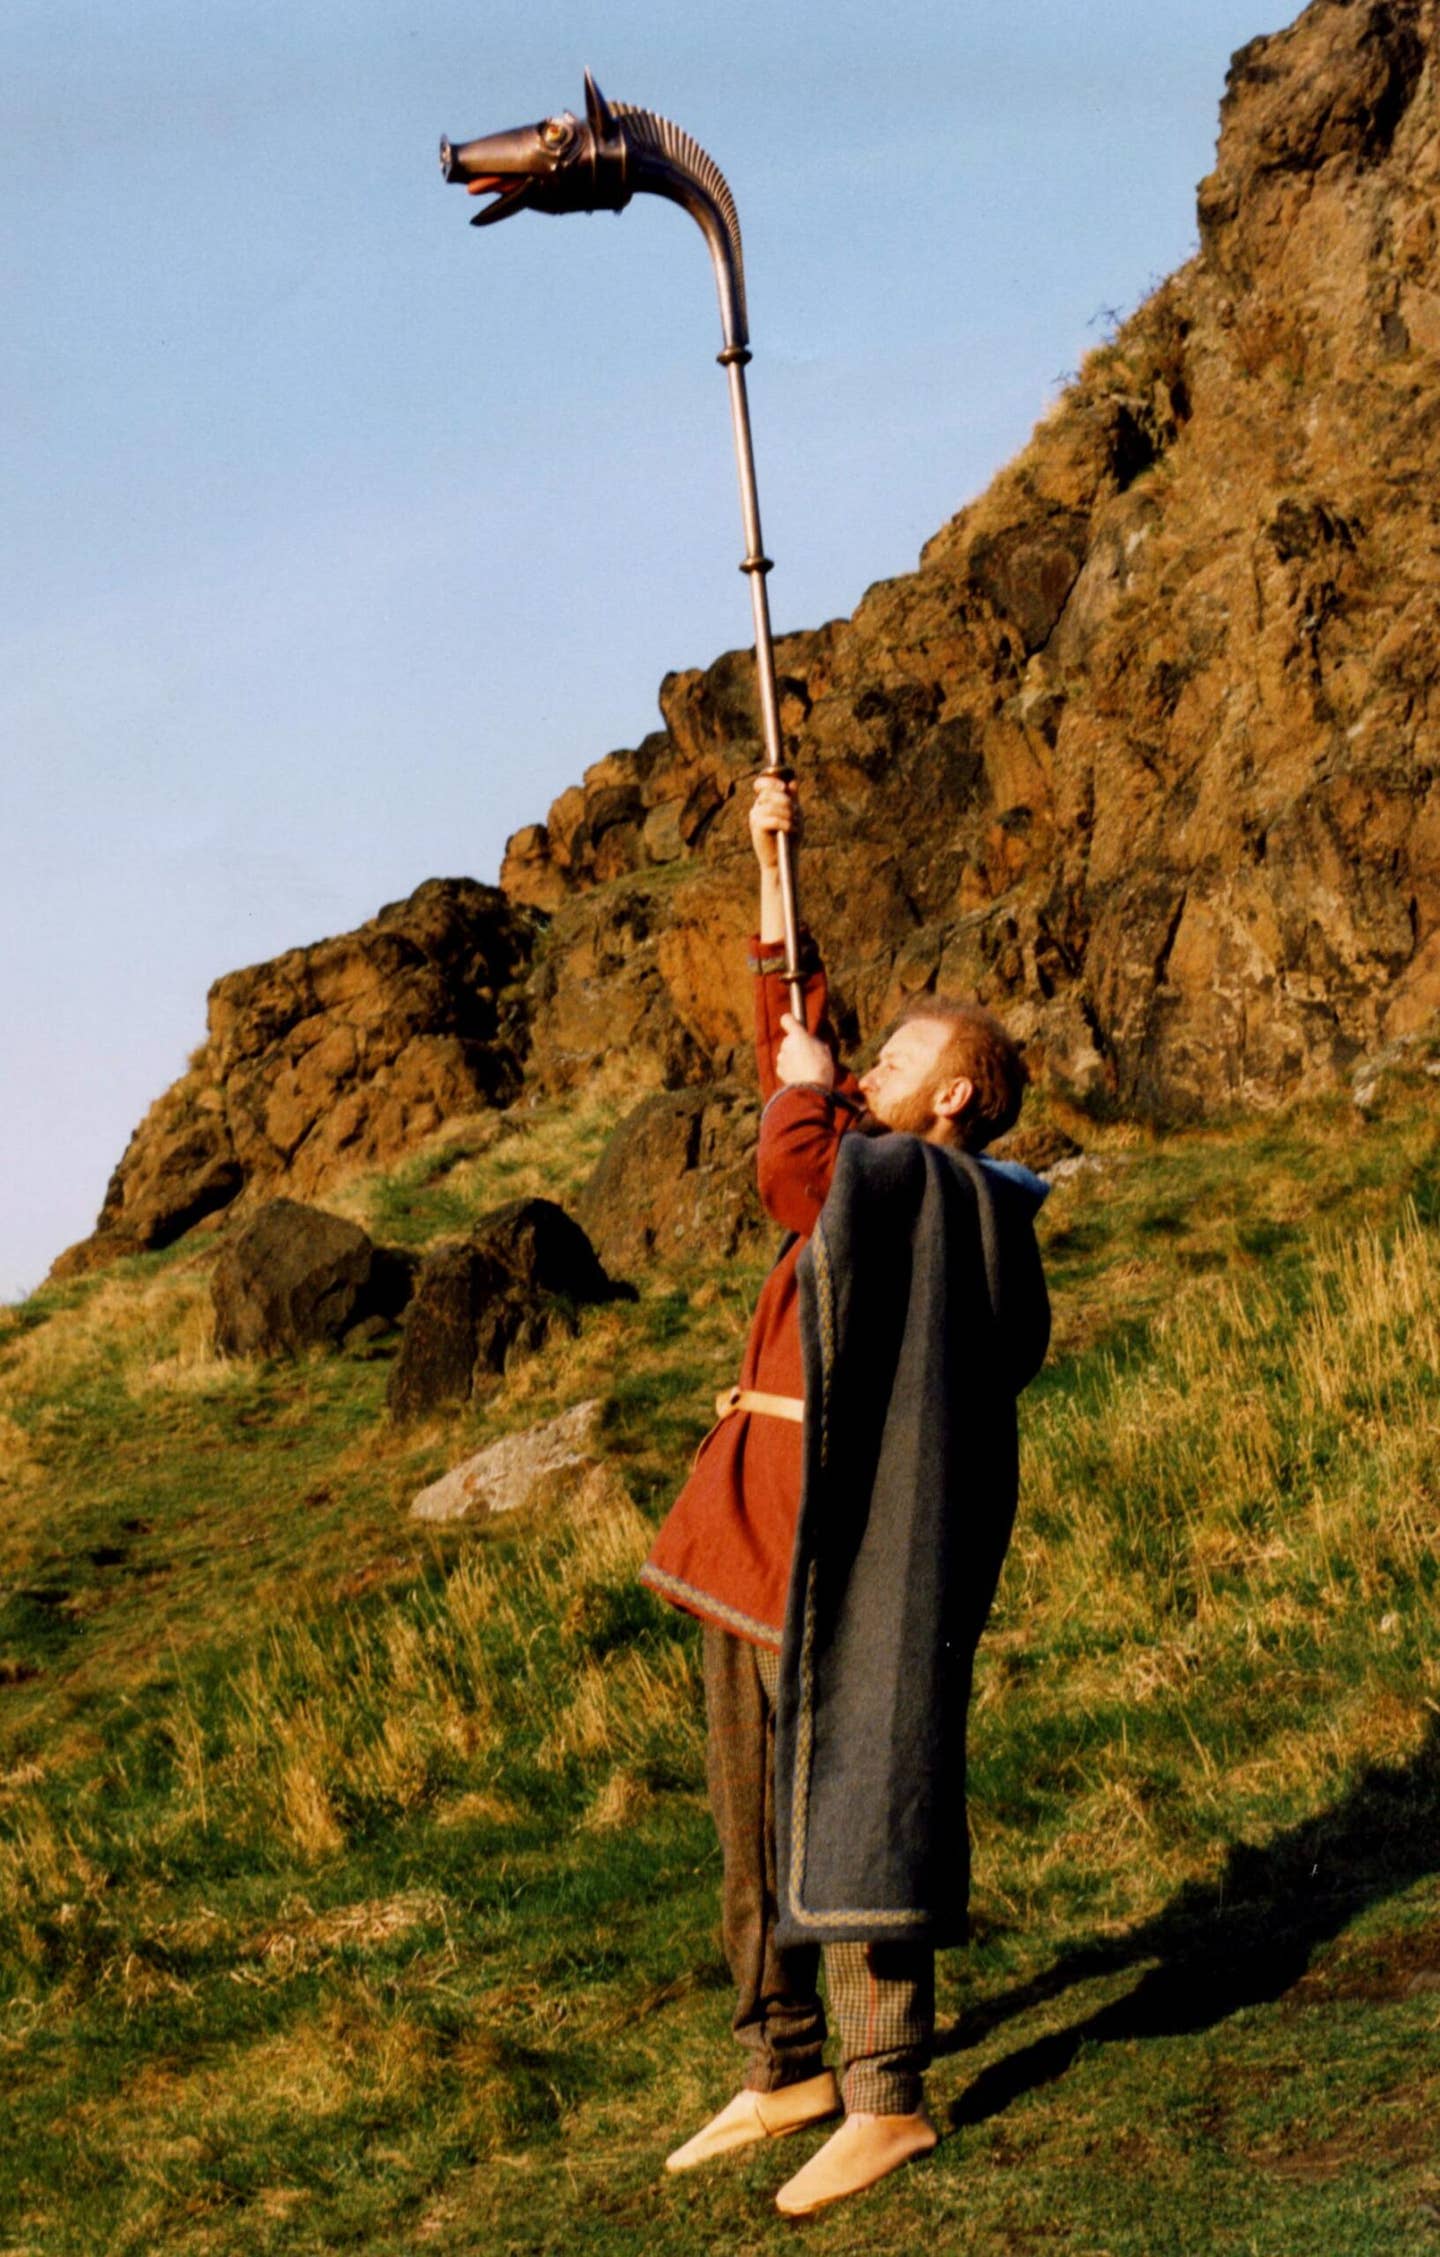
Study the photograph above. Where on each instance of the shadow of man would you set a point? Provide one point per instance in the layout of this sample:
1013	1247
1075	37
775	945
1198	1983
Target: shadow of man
1240	1941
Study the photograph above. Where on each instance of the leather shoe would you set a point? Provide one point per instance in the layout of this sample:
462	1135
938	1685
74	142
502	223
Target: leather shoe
753	2116
865	2148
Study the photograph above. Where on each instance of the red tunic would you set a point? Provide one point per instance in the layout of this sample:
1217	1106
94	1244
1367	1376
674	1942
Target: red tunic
724	1550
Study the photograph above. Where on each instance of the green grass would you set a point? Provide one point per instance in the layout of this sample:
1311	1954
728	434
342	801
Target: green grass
357	1889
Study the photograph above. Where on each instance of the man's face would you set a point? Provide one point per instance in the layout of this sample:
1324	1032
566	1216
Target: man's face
902	1085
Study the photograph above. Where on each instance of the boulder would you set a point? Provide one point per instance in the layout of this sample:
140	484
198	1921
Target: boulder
479	1300
296	1277
677	1178
436	1364
515	1470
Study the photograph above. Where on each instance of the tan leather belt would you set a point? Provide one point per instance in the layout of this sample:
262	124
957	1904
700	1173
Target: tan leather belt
769	1406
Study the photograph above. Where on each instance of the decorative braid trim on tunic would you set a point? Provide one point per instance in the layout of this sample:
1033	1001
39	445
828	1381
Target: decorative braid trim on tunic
695	1601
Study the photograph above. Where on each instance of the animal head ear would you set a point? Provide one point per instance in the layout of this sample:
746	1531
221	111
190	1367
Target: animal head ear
598	111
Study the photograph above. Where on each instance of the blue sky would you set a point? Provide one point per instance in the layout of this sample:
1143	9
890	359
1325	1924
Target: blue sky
339	538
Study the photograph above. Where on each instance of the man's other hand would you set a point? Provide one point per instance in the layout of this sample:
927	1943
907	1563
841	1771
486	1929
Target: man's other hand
773	809
802	1056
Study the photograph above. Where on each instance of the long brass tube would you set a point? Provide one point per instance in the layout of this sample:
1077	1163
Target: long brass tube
562	165
755	566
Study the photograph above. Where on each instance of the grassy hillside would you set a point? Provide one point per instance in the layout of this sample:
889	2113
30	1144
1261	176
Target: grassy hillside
356	1885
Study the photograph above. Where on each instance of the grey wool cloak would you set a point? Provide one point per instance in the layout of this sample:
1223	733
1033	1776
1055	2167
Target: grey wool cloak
923	1313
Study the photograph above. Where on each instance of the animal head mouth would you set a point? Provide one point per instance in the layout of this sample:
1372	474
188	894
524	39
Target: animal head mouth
510	194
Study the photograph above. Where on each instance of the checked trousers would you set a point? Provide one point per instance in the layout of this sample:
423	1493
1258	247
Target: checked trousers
881	1995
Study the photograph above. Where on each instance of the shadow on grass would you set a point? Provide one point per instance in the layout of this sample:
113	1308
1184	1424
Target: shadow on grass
1243	1941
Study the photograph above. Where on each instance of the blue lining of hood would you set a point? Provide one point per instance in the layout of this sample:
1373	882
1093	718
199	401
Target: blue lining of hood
1035	1188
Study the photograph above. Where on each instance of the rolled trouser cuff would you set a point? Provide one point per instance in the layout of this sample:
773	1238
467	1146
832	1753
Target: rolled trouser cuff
875	2092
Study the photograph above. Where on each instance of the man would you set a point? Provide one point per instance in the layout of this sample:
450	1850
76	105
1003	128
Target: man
840	1538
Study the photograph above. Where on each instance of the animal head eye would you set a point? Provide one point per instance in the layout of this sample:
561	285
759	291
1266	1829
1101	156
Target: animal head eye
557	133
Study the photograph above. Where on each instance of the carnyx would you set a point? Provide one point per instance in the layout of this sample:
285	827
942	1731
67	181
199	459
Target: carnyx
562	165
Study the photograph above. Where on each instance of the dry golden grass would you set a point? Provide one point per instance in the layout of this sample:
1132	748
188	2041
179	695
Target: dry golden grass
1253	1505
620	1801
21	1466
478	1807
1248	1441
543	1150
623	1705
45	1876
302	1937
189	1361
396	1710
382	1901
157	1331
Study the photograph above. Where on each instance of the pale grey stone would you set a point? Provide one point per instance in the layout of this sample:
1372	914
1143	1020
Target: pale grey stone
506	1474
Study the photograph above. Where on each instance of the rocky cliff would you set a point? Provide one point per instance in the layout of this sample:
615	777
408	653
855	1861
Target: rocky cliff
1144	752
328	1058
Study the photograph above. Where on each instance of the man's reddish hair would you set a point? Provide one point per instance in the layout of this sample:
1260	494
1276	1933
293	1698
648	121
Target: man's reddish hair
979	1049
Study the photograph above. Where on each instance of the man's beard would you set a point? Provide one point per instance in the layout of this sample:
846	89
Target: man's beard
909	1116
